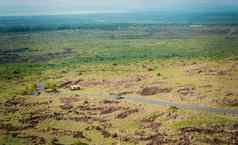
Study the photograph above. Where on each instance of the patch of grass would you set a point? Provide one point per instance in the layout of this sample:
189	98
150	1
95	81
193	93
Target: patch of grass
152	116
79	143
106	56
204	120
28	90
173	109
51	84
9	140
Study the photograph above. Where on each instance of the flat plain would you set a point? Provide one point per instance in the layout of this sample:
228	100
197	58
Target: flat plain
72	85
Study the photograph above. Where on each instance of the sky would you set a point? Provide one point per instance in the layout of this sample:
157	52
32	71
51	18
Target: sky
41	7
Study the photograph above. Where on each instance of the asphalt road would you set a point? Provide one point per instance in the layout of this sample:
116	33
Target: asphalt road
166	103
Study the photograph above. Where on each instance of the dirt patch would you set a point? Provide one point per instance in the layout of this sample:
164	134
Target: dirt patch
188	92
206	70
153	90
115	82
127	113
185	90
110	109
70	100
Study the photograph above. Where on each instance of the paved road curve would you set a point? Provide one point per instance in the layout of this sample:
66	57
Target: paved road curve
159	102
165	103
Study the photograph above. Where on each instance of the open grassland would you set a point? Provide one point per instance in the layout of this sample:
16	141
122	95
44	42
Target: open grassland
56	87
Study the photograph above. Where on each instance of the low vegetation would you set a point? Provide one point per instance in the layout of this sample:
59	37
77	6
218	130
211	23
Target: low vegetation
39	71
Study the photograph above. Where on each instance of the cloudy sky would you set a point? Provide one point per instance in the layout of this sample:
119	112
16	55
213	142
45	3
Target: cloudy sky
32	7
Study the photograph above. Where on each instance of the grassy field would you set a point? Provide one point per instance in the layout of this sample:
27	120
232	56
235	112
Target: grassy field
80	69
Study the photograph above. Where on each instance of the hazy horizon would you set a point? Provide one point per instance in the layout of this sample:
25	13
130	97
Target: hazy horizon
55	7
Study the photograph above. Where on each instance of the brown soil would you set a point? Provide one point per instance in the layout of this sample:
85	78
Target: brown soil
153	90
70	100
186	90
127	113
115	82
205	70
110	109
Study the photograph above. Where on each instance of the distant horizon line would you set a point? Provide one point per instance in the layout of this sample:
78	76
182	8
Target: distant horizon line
65	13
117	12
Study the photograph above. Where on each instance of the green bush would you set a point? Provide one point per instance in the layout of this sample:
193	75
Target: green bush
80	143
29	89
